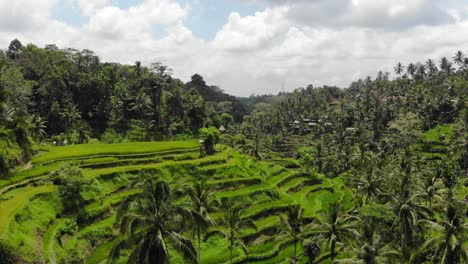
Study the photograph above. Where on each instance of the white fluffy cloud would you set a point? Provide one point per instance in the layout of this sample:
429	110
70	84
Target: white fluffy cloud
251	32
299	42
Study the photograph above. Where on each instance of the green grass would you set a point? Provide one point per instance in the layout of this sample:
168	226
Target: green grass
112	169
434	133
59	153
17	199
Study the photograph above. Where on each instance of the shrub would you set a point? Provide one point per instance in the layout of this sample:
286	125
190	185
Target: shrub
111	136
210	136
71	184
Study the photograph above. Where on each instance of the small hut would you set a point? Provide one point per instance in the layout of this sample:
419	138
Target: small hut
222	129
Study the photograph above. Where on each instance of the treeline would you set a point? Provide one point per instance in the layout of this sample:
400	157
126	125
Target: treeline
69	96
401	146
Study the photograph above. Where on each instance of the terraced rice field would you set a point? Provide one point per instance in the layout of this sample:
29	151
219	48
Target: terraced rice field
31	218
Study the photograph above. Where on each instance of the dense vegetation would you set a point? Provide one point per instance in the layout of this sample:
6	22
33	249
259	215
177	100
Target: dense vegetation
375	173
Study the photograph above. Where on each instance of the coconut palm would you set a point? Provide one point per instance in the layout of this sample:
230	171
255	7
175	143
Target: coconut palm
399	69
292	223
411	69
405	204
431	187
70	115
311	250
369	185
450	243
445	65
431	67
149	221
201	200
233	221
335	227
38	126
141	103
459	57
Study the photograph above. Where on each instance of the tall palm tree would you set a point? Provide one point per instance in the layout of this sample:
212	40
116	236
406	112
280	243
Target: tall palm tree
459	57
38	126
421	71
450	243
369	185
411	69
311	250
292	223
431	67
70	115
399	69
141	103
233	221
405	204
431	187
445	65
149	220
335	227
201	198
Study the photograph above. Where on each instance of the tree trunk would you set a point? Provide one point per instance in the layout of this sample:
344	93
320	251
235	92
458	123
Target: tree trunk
199	245
295	248
332	250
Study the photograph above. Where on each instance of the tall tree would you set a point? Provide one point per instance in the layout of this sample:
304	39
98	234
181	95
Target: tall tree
292	223
149	221
335	227
202	201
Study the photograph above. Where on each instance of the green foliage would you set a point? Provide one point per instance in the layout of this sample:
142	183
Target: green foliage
71	184
211	137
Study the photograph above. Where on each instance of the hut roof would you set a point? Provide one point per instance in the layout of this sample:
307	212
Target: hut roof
222	128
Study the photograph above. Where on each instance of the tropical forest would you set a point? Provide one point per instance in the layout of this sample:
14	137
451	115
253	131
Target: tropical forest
106	162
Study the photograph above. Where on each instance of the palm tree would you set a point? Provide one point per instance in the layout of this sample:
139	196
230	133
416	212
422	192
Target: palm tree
70	115
450	245
421	71
292	222
141	103
234	222
201	198
445	65
459	57
405	204
369	185
335	227
38	126
311	249
399	68
411	69
431	188
432	68
149	220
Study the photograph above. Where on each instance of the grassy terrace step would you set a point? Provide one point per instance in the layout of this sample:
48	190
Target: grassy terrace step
281	182
263	225
293	183
41	169
258	211
154	158
97	209
109	159
244	191
218	167
86	150
15	200
224	183
218	158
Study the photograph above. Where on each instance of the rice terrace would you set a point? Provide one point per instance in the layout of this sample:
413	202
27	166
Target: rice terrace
233	132
32	219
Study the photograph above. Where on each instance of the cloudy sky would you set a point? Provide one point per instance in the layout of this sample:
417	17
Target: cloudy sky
248	46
